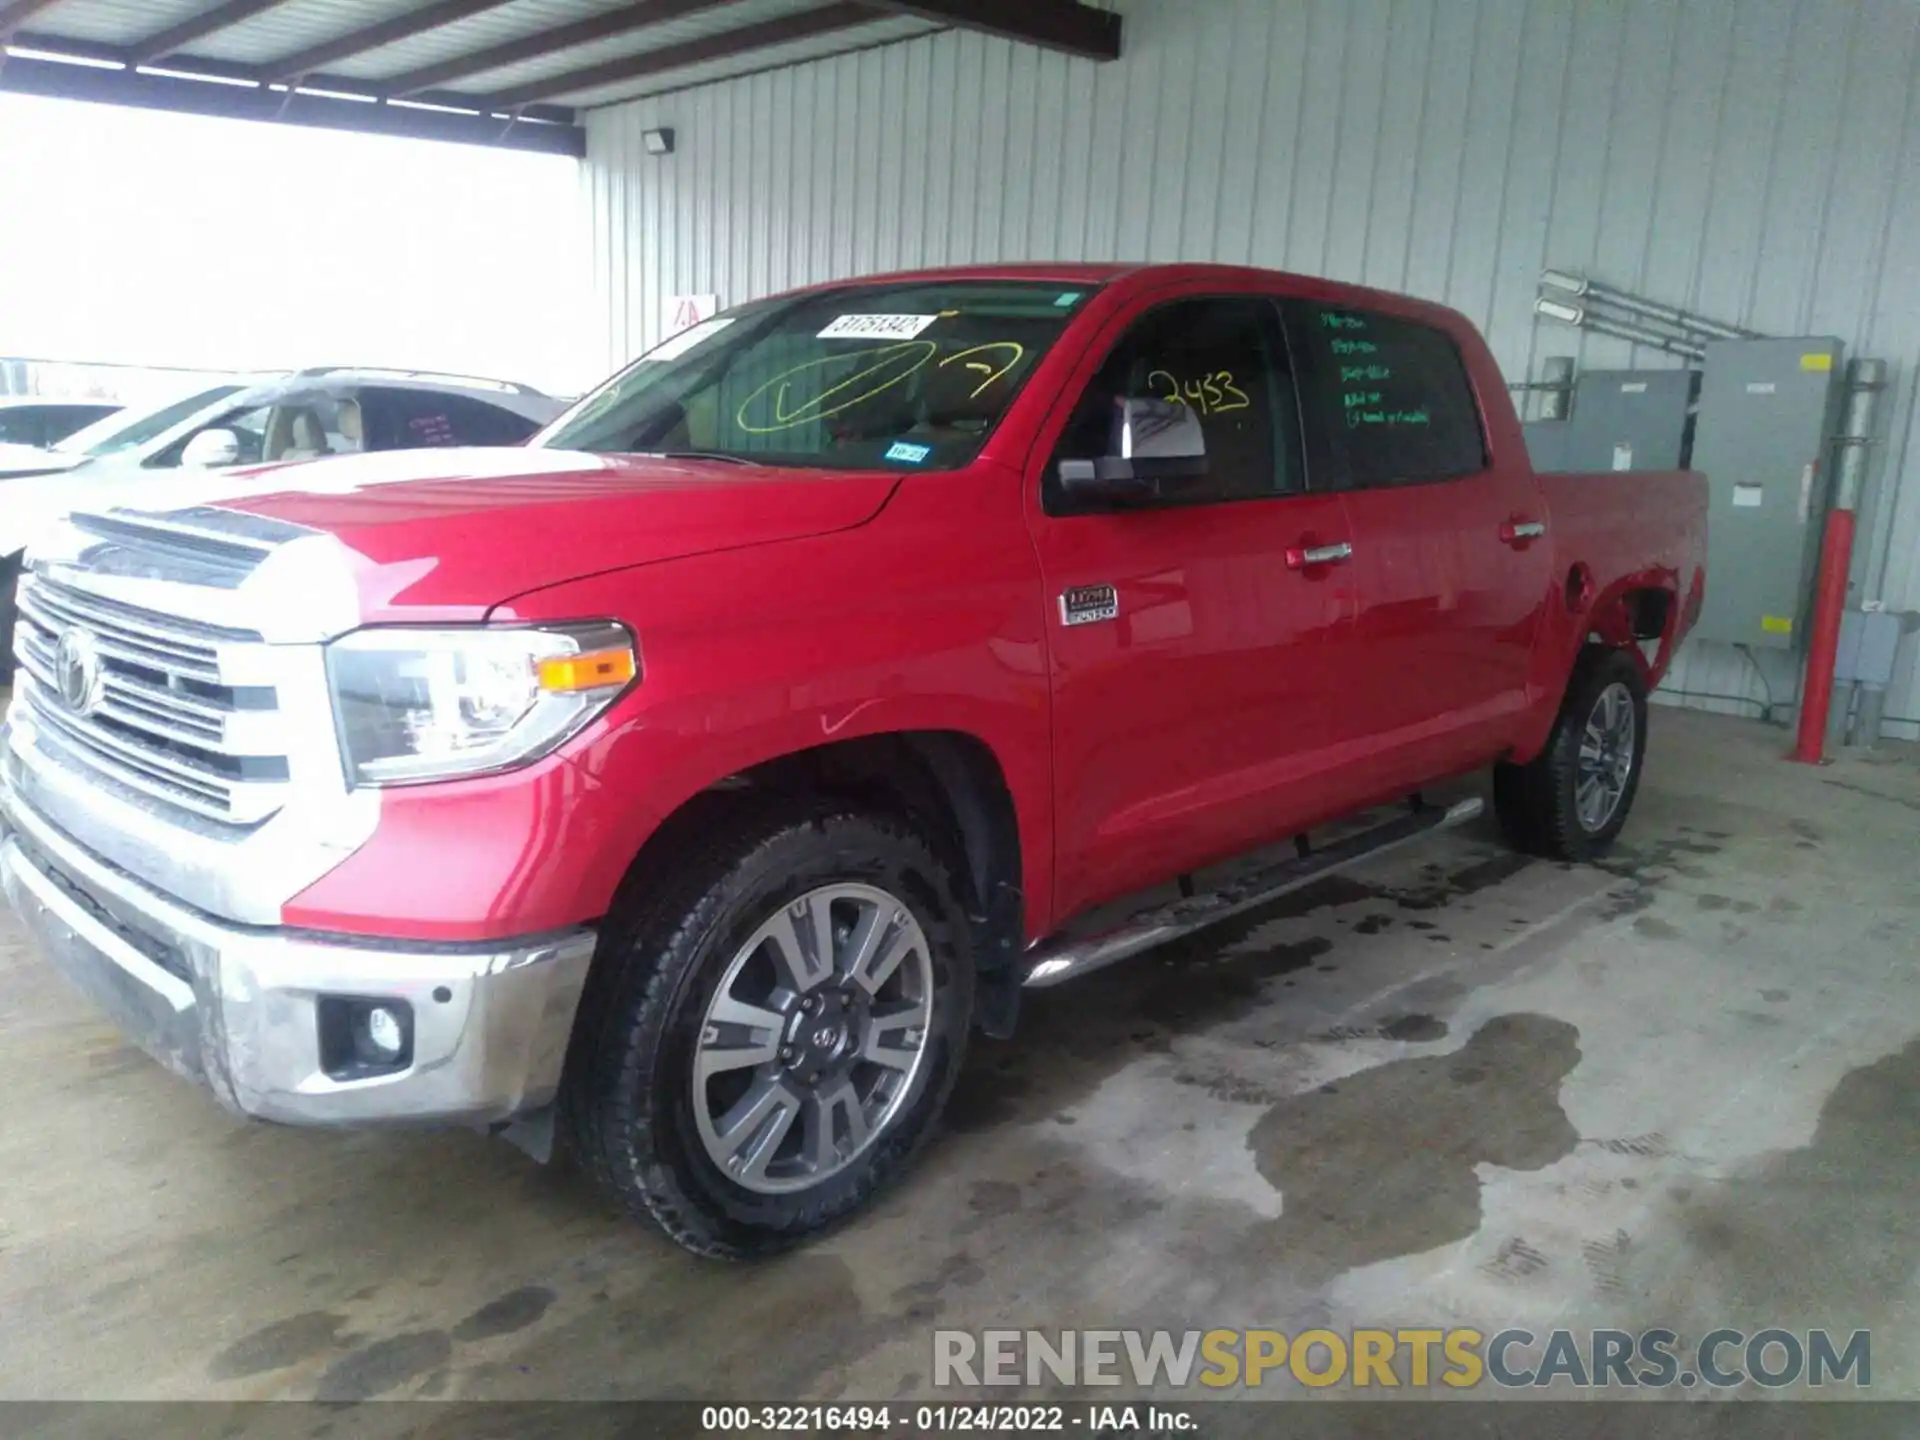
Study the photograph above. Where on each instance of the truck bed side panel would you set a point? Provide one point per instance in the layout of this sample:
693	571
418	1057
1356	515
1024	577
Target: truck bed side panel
1614	533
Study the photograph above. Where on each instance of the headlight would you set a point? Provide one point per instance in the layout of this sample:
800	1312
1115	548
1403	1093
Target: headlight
416	704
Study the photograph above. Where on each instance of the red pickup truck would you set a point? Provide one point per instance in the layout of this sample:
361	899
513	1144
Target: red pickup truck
692	783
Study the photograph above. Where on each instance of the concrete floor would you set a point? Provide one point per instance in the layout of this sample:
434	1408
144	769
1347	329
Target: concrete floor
1456	1088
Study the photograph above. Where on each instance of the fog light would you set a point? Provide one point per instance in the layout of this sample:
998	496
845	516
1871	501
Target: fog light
384	1032
363	1037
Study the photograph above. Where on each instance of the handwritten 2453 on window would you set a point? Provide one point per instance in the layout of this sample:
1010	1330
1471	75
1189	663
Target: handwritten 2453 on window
1214	394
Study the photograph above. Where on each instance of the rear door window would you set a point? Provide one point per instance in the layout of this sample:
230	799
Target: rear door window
418	419
1391	396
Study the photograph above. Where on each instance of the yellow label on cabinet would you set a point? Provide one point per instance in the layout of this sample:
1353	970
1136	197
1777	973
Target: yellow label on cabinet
1816	362
1776	624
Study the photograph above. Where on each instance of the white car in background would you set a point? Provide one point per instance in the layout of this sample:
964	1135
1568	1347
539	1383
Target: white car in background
34	421
248	420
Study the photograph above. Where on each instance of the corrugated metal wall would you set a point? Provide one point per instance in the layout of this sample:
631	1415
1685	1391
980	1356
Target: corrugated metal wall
1756	160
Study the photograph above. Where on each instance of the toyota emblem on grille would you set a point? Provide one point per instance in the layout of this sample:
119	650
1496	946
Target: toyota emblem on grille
76	670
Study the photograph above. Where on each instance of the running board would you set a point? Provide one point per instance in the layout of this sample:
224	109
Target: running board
1056	962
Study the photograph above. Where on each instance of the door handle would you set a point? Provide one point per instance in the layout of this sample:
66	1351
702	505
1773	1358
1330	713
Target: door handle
1513	532
1303	557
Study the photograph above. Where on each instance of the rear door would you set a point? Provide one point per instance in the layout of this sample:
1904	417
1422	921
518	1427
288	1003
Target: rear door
1191	668
1451	564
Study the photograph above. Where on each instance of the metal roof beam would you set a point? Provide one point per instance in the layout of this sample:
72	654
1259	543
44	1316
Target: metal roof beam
726	45
233	70
178	37
372	37
1054	24
546	42
552	130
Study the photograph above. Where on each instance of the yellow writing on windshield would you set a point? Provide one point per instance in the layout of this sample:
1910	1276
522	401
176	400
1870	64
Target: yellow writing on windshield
1012	352
891	365
783	403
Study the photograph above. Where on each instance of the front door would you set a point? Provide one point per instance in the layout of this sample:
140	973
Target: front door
1191	665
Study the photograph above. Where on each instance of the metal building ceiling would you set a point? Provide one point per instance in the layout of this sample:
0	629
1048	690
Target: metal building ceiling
511	72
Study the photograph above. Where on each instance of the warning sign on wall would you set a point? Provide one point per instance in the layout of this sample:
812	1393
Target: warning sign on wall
686	311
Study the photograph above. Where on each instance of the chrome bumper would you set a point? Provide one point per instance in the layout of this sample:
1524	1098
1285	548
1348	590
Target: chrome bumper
237	1007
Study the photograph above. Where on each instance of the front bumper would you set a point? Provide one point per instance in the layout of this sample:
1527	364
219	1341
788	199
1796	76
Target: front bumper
237	1007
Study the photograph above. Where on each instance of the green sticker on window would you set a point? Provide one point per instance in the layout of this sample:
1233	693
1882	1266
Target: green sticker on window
1069	298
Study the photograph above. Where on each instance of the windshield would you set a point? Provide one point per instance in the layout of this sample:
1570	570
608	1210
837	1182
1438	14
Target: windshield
123	431
866	377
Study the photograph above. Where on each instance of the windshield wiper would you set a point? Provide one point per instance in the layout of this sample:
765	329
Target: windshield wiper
699	455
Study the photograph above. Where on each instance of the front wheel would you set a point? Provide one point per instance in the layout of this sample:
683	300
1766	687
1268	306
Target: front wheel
1571	801
771	1043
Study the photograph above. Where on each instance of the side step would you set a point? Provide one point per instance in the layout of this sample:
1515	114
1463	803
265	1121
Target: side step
1056	962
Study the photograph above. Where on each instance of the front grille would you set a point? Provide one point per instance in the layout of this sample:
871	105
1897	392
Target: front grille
169	722
138	638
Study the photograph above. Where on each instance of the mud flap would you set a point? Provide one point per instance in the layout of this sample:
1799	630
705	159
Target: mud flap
531	1134
996	1002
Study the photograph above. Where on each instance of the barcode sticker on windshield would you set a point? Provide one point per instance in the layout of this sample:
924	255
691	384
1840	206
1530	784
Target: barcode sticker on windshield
877	327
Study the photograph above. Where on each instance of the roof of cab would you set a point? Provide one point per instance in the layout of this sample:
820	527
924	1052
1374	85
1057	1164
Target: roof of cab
1310	287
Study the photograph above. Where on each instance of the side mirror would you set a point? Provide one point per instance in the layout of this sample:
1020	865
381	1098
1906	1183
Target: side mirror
211	449
1157	452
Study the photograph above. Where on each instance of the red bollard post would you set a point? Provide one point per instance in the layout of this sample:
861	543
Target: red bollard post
1823	645
1865	380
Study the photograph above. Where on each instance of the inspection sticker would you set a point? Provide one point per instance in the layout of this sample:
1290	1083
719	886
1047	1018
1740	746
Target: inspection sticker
877	327
910	454
1776	624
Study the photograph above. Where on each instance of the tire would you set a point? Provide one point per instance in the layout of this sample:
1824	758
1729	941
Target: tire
676	967
1571	801
9	612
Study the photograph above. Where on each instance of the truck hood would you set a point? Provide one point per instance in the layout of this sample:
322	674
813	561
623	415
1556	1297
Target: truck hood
455	532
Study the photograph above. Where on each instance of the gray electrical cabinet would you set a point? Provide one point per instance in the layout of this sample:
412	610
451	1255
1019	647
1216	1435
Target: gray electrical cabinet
1768	409
1630	419
1547	444
1621	420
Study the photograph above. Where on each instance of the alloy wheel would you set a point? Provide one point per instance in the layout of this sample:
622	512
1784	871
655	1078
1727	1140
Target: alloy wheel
814	1039
1606	758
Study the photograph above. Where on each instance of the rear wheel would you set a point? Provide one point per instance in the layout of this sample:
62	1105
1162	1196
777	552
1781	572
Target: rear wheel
1572	800
769	1045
